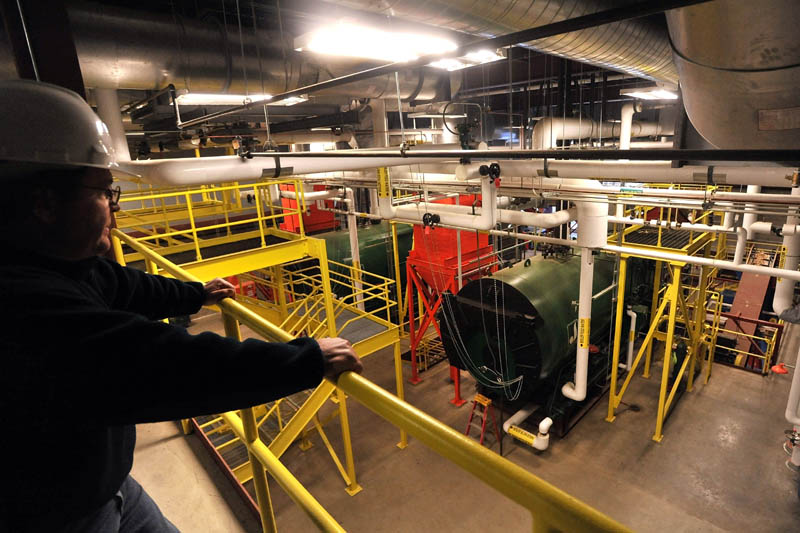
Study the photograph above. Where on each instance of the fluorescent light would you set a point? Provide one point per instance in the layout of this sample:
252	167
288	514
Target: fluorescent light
292	100
352	40
650	93
220	99
470	60
235	99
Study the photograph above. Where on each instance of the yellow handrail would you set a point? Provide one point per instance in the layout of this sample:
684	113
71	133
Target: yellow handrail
552	509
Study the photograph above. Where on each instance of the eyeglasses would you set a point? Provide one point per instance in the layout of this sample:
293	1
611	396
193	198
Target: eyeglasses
112	193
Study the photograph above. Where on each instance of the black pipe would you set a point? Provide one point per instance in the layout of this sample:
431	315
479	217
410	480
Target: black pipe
642	9
783	156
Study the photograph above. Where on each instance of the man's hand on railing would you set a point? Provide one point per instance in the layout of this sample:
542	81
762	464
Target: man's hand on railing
216	290
339	356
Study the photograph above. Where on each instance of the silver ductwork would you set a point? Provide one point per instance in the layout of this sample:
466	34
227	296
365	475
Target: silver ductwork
739	65
637	47
129	49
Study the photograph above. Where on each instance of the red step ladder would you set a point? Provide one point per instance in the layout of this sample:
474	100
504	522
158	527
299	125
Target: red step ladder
482	400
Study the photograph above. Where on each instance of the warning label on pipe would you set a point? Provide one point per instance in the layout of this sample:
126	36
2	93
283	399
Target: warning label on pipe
583	332
383	183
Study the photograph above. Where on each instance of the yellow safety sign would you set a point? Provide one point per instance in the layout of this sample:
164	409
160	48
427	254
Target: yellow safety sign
384	191
583	332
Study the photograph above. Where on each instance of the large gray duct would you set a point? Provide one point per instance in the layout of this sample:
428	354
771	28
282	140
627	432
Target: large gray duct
739	65
636	47
130	49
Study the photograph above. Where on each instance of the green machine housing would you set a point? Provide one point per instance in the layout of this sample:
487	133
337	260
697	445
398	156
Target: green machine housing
516	329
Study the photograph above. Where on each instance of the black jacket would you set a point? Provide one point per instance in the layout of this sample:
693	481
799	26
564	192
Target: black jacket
83	357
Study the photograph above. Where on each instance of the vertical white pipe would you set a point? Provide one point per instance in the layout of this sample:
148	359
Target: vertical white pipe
458	247
741	242
749	218
380	128
631	337
355	254
108	111
784	288
577	390
626	117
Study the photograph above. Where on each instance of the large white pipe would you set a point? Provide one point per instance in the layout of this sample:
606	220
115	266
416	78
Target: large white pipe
108	110
741	242
508	216
749	218
631	338
205	170
784	288
355	253
312	196
542	440
577	390
548	131
626	122
633	171
485	221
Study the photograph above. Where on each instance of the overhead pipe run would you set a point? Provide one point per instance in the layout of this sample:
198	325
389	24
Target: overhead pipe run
420	211
784	288
549	130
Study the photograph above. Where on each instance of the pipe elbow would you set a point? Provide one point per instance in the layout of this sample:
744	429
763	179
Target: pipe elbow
385	208
570	391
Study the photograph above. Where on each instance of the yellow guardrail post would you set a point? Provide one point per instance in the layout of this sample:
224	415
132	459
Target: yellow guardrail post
612	393
233	331
672	296
653	307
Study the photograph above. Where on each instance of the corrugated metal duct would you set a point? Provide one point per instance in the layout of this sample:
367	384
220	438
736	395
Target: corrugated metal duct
739	63
638	47
130	49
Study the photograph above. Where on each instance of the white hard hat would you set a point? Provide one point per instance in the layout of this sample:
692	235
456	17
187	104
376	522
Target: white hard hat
45	126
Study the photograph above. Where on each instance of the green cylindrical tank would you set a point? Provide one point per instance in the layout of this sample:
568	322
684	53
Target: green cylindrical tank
521	321
374	246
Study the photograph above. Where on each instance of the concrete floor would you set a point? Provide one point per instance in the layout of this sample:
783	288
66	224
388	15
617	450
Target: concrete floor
720	466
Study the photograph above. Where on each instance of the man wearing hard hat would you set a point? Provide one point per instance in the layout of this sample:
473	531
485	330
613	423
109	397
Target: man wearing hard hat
83	356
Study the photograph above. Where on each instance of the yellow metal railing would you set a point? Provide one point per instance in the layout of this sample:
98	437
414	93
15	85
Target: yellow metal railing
551	508
176	220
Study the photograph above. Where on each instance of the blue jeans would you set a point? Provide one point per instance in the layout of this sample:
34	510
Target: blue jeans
130	511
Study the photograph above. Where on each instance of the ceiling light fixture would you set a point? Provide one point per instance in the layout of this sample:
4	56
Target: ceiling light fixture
346	39
235	99
470	60
650	93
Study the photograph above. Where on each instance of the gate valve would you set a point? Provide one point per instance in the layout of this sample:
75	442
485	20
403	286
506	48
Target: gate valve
429	220
492	170
793	436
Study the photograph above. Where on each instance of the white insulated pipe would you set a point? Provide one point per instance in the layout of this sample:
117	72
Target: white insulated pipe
631	337
108	110
749	218
741	242
577	390
548	131
542	440
626	122
312	196
784	288
206	170
634	171
509	216
485	221
355	253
